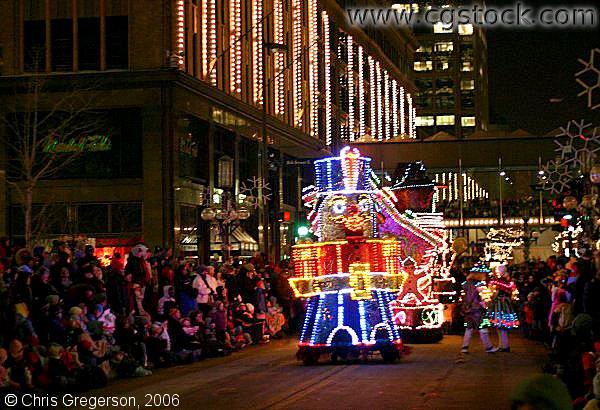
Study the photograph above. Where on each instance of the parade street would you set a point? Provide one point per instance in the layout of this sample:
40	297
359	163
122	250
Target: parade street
434	376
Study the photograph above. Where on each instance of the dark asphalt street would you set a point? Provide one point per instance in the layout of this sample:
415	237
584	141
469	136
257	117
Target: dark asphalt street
434	376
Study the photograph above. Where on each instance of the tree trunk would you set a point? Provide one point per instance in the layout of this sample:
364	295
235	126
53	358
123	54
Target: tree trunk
28	210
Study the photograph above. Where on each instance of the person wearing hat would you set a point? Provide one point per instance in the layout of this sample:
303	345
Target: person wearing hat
502	315
474	308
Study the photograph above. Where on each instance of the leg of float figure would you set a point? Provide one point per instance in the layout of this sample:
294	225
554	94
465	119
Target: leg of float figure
467	337
504	343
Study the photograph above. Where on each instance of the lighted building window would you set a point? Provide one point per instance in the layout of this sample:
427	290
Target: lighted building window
425	121
423	65
414	7
444	46
424	49
440	28
467	84
442	64
465	29
467	121
445	120
467	66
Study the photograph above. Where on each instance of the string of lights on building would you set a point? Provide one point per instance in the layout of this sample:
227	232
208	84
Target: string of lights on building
455	182
376	105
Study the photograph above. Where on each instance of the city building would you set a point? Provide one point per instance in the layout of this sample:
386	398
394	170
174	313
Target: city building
185	87
450	71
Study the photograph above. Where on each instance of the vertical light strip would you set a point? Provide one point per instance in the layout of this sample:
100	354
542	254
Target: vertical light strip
313	64
394	108
181	33
351	133
212	40
297	61
378	75
413	121
327	62
361	93
257	35
386	103
402	114
279	59
372	97
410	116
204	37
235	44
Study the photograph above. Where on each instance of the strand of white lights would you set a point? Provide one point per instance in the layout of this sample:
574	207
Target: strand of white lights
327	57
181	32
235	33
361	93
379	134
386	103
279	59
297	60
372	97
395	107
411	117
257	31
402	113
351	89
212	40
313	62
204	37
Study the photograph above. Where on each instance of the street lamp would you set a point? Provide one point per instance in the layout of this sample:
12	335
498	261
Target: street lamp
227	215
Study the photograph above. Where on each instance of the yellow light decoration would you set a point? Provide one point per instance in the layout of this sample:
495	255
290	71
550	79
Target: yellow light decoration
204	37
379	99
394	107
411	117
372	97
360	281
386	104
212	40
402	113
235	44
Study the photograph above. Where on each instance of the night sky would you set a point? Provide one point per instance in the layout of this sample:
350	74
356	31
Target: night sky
527	68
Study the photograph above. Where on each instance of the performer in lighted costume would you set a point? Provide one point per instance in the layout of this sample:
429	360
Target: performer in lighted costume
502	315
350	277
475	299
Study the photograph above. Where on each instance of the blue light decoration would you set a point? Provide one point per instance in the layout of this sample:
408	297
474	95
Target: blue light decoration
350	277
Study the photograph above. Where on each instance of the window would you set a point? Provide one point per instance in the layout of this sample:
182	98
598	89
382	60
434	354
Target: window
440	28
445	120
126	217
465	29
423	65
467	66
442	64
467	121
92	218
467	84
444	86
425	121
444	46
424	49
117	44
61	44
445	101
34	45
424	85
467	99
89	43
407	7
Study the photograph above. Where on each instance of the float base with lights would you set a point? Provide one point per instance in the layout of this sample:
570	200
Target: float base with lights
351	276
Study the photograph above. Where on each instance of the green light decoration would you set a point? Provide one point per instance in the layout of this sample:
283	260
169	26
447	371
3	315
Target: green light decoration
88	143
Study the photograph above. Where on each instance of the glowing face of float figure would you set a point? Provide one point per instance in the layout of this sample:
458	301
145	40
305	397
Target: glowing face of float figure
347	215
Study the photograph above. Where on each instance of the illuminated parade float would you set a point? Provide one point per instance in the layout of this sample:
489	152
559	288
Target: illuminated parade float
351	275
408	210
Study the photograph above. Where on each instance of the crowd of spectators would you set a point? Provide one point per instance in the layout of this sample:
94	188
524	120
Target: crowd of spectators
67	323
489	208
560	306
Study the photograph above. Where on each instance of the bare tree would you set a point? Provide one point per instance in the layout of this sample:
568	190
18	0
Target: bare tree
45	132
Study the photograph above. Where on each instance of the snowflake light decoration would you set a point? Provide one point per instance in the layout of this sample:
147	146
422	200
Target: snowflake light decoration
251	189
558	177
577	143
589	79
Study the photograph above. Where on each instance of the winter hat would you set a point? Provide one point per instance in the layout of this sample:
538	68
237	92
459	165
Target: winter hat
52	299
75	311
54	351
139	250
542	392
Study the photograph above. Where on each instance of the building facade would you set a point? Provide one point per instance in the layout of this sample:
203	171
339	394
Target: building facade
182	84
450	69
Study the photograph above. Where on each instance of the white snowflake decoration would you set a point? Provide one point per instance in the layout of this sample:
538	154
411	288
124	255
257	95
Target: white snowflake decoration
558	177
577	143
252	187
589	79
